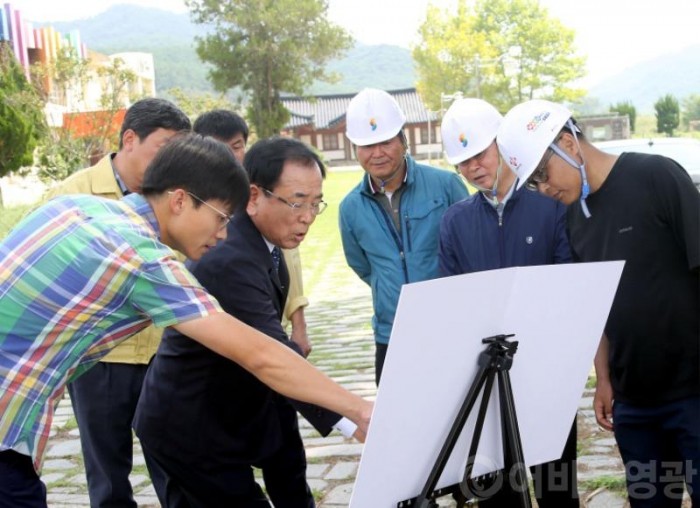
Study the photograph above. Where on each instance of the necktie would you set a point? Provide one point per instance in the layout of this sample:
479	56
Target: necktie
276	258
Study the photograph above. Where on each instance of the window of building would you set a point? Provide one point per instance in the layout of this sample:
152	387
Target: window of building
330	141
427	137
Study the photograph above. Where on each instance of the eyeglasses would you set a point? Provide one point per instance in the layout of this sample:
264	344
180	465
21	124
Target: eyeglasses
224	219
316	208
539	175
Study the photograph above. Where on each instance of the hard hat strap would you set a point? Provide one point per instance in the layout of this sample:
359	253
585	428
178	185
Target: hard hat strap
585	188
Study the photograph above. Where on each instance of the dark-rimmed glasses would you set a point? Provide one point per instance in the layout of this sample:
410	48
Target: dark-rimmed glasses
316	208
539	175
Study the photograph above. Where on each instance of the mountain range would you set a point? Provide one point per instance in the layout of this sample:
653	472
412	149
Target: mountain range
170	38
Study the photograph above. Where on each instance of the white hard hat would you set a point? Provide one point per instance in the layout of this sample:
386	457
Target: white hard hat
526	132
468	128
373	116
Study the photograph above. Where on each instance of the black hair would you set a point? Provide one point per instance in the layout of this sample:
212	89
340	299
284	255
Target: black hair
221	124
579	130
150	114
265	160
200	165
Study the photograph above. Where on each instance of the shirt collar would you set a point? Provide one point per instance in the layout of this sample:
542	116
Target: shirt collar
269	244
143	208
373	189
122	186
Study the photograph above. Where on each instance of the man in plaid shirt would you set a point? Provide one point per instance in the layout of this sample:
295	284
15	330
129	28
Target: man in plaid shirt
81	273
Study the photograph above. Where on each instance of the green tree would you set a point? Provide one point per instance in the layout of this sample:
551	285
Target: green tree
626	108
668	116
194	104
266	48
505	51
691	110
22	120
65	81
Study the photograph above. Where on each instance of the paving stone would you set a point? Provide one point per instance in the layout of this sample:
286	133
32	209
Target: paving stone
316	470
334	451
66	448
317	484
340	495
59	464
50	478
585	402
342	471
609	441
325	441
138	479
599	461
605	499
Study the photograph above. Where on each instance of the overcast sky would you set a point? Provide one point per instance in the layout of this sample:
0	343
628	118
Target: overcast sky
614	34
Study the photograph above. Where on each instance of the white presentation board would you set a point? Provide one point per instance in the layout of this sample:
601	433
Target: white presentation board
557	313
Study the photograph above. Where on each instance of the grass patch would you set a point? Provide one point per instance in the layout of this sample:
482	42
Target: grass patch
10	216
71	424
612	483
323	241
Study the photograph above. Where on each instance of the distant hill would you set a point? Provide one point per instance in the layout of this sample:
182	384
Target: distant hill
643	84
167	35
170	37
378	66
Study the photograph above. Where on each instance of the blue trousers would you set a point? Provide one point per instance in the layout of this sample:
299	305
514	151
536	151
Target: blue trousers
20	486
104	401
660	447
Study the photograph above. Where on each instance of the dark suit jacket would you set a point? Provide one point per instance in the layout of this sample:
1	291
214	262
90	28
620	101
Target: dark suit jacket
200	405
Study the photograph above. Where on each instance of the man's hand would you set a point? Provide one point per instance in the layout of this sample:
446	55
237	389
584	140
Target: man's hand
299	335
302	340
602	404
359	435
365	415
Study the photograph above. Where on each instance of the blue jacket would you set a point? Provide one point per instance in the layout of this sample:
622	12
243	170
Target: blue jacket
532	231
381	256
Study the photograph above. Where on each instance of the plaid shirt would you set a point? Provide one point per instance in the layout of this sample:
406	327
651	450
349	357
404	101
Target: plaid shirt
77	276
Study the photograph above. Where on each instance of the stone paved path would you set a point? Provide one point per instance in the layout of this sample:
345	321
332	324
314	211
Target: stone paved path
338	321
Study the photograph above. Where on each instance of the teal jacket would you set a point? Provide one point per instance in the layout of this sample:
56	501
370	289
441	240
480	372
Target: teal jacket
382	257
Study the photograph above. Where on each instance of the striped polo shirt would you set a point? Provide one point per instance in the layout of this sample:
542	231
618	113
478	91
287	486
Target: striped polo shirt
77	276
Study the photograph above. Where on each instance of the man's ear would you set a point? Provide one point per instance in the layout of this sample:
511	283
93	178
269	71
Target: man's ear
255	196
176	201
129	139
568	143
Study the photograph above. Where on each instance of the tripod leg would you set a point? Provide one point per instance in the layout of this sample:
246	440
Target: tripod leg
515	460
467	487
423	500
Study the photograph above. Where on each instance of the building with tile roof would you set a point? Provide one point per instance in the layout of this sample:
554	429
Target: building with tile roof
320	122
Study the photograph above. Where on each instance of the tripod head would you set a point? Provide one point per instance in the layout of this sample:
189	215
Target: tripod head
499	353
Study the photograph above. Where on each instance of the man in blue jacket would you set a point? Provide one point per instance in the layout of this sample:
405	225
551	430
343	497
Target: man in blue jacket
389	222
500	227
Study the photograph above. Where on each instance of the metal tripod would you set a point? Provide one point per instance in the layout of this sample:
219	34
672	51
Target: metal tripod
494	362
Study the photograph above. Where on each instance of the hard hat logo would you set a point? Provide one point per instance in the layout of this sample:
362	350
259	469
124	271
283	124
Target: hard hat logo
527	131
475	116
373	124
534	124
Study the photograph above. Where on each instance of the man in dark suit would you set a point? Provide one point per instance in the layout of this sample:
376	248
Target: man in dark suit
206	421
